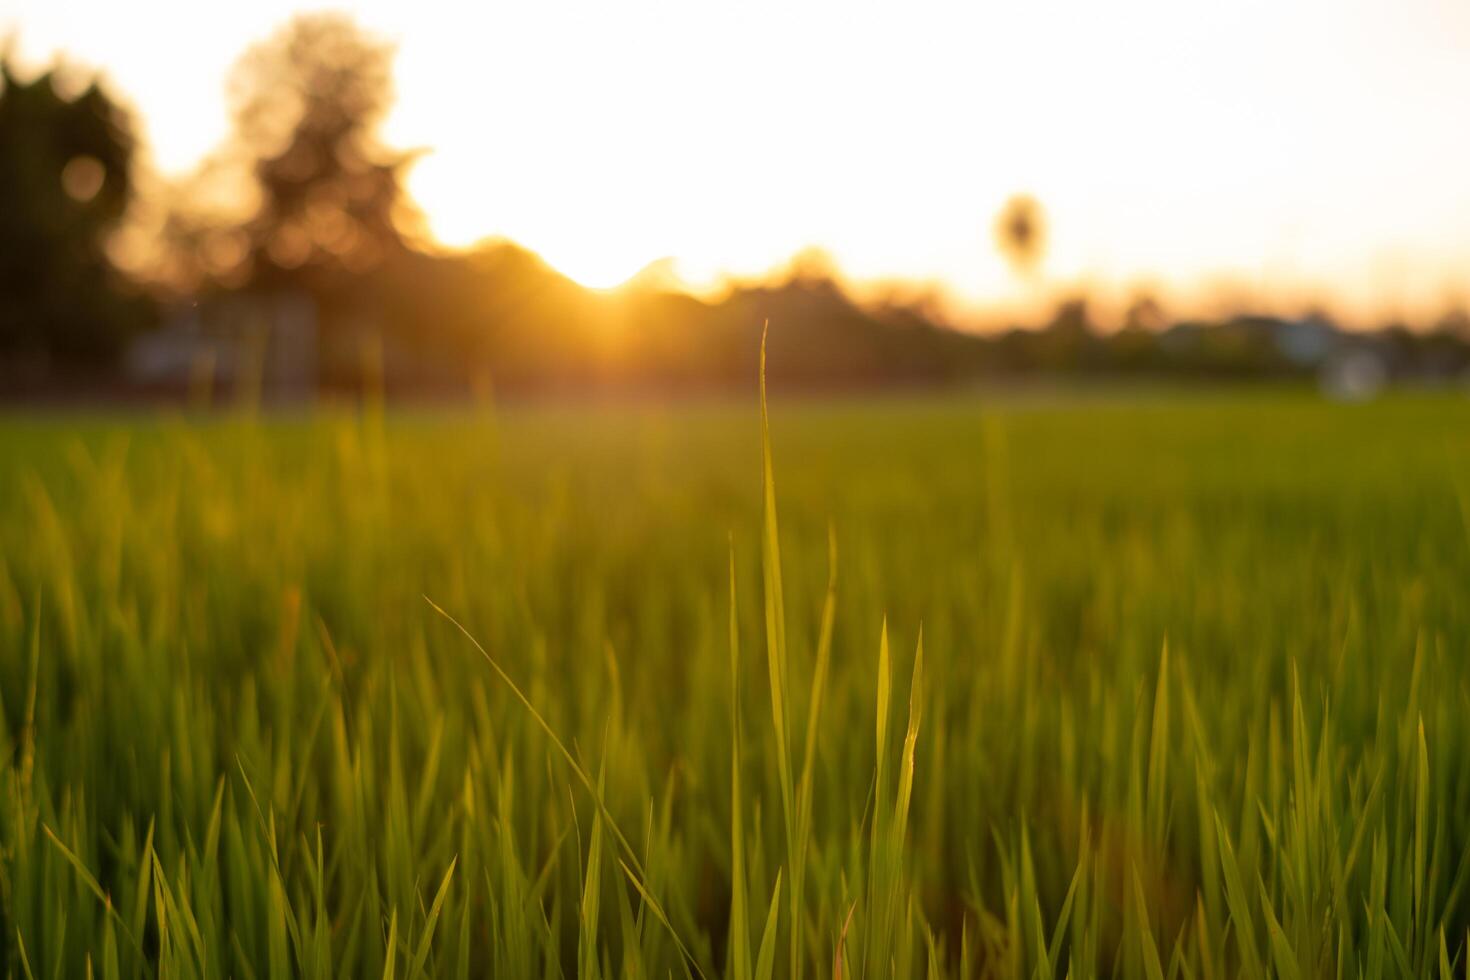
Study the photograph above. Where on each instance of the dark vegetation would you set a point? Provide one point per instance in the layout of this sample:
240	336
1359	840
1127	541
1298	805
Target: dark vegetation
66	172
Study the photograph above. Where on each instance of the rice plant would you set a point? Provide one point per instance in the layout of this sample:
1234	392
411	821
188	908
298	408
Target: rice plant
1089	687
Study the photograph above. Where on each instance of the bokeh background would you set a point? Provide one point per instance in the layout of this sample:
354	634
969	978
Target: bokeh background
557	197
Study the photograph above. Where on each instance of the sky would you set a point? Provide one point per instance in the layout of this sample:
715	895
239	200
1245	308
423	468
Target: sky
1284	153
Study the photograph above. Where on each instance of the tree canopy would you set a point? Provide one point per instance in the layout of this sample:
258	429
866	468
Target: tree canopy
307	103
66	180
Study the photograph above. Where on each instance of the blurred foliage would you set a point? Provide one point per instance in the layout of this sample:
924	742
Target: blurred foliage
66	179
307	103
1020	233
303	199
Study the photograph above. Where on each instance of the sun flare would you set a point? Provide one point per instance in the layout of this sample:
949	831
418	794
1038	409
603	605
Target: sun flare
594	268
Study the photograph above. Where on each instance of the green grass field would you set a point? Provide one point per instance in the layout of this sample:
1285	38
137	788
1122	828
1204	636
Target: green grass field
1194	699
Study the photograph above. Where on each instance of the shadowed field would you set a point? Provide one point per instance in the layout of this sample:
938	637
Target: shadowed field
1191	704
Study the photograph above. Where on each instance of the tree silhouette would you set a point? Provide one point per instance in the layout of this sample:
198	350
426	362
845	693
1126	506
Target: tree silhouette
307	104
1020	233
65	183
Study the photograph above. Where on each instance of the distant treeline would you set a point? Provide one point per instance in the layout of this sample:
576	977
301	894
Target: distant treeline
295	262
503	312
501	318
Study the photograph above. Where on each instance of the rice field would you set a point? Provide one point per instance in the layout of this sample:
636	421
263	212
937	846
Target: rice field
1106	685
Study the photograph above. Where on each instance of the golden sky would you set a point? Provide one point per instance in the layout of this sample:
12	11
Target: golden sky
1286	151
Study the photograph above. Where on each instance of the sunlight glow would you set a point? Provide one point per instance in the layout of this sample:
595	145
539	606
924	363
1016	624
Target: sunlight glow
1289	150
